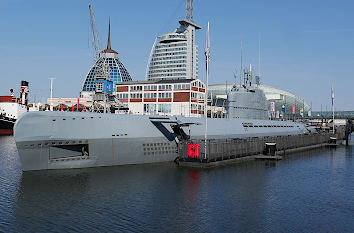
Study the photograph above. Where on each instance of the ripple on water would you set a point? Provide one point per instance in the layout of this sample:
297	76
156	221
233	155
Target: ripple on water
310	191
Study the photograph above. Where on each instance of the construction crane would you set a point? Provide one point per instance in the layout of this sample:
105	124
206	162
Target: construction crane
102	69
96	43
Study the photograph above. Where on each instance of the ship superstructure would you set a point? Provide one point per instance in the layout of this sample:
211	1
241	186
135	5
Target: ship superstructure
11	108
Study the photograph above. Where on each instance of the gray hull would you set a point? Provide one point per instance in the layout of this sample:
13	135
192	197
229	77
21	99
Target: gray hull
59	140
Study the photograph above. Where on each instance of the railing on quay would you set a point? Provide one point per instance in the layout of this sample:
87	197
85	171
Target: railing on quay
232	148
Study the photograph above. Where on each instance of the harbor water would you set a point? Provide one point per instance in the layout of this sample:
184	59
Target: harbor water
310	191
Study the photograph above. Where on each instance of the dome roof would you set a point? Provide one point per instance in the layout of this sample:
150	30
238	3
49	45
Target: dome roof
109	57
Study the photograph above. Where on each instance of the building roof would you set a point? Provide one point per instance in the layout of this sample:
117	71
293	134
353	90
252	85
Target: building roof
188	22
164	81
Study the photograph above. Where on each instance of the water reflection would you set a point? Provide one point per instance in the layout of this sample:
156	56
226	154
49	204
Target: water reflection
307	191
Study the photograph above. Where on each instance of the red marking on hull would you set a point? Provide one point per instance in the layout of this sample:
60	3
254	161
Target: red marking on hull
6	131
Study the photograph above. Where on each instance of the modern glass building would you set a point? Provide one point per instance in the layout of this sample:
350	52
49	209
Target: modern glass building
114	67
174	55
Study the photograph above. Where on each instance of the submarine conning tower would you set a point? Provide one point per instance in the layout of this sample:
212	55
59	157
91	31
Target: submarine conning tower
247	101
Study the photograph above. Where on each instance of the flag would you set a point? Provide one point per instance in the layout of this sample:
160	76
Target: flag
293	109
272	106
283	108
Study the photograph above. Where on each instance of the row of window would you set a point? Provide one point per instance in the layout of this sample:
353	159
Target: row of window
136	88
167	66
165	95
197	107
161	108
136	95
161	87
173	36
171	45
122	96
168	74
167	62
173	49
181	86
198	84
150	87
168	54
166	71
148	95
165	87
199	96
168	58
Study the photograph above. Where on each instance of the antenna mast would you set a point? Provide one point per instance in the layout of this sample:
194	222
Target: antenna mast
51	93
189	10
259	55
241	71
207	58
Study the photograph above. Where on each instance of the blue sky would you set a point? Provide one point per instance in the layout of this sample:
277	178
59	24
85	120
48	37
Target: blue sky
306	44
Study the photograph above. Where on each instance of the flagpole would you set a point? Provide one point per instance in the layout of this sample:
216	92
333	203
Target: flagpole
332	106
207	56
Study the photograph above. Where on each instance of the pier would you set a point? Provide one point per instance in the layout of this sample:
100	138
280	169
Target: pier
191	153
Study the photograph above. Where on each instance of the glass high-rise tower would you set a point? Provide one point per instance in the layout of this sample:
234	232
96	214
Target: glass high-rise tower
174	55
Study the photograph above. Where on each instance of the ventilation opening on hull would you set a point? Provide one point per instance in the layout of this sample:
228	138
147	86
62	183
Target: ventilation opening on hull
68	151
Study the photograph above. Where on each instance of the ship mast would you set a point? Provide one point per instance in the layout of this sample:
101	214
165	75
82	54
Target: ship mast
207	57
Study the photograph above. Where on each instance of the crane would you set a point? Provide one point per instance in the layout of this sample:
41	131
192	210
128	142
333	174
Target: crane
96	43
102	69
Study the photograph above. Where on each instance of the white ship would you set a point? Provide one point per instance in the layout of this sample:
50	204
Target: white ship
11	108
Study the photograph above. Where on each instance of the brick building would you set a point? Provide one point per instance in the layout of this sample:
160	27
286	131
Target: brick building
163	97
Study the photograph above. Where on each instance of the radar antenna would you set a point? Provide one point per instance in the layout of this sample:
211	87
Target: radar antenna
235	76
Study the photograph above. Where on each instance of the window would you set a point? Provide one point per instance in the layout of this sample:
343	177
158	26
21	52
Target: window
149	95
136	88
163	95
164	108
136	95
99	87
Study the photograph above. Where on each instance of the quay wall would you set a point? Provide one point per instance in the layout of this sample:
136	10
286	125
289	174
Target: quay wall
234	149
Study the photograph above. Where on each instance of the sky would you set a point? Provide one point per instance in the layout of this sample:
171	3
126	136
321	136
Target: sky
306	45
